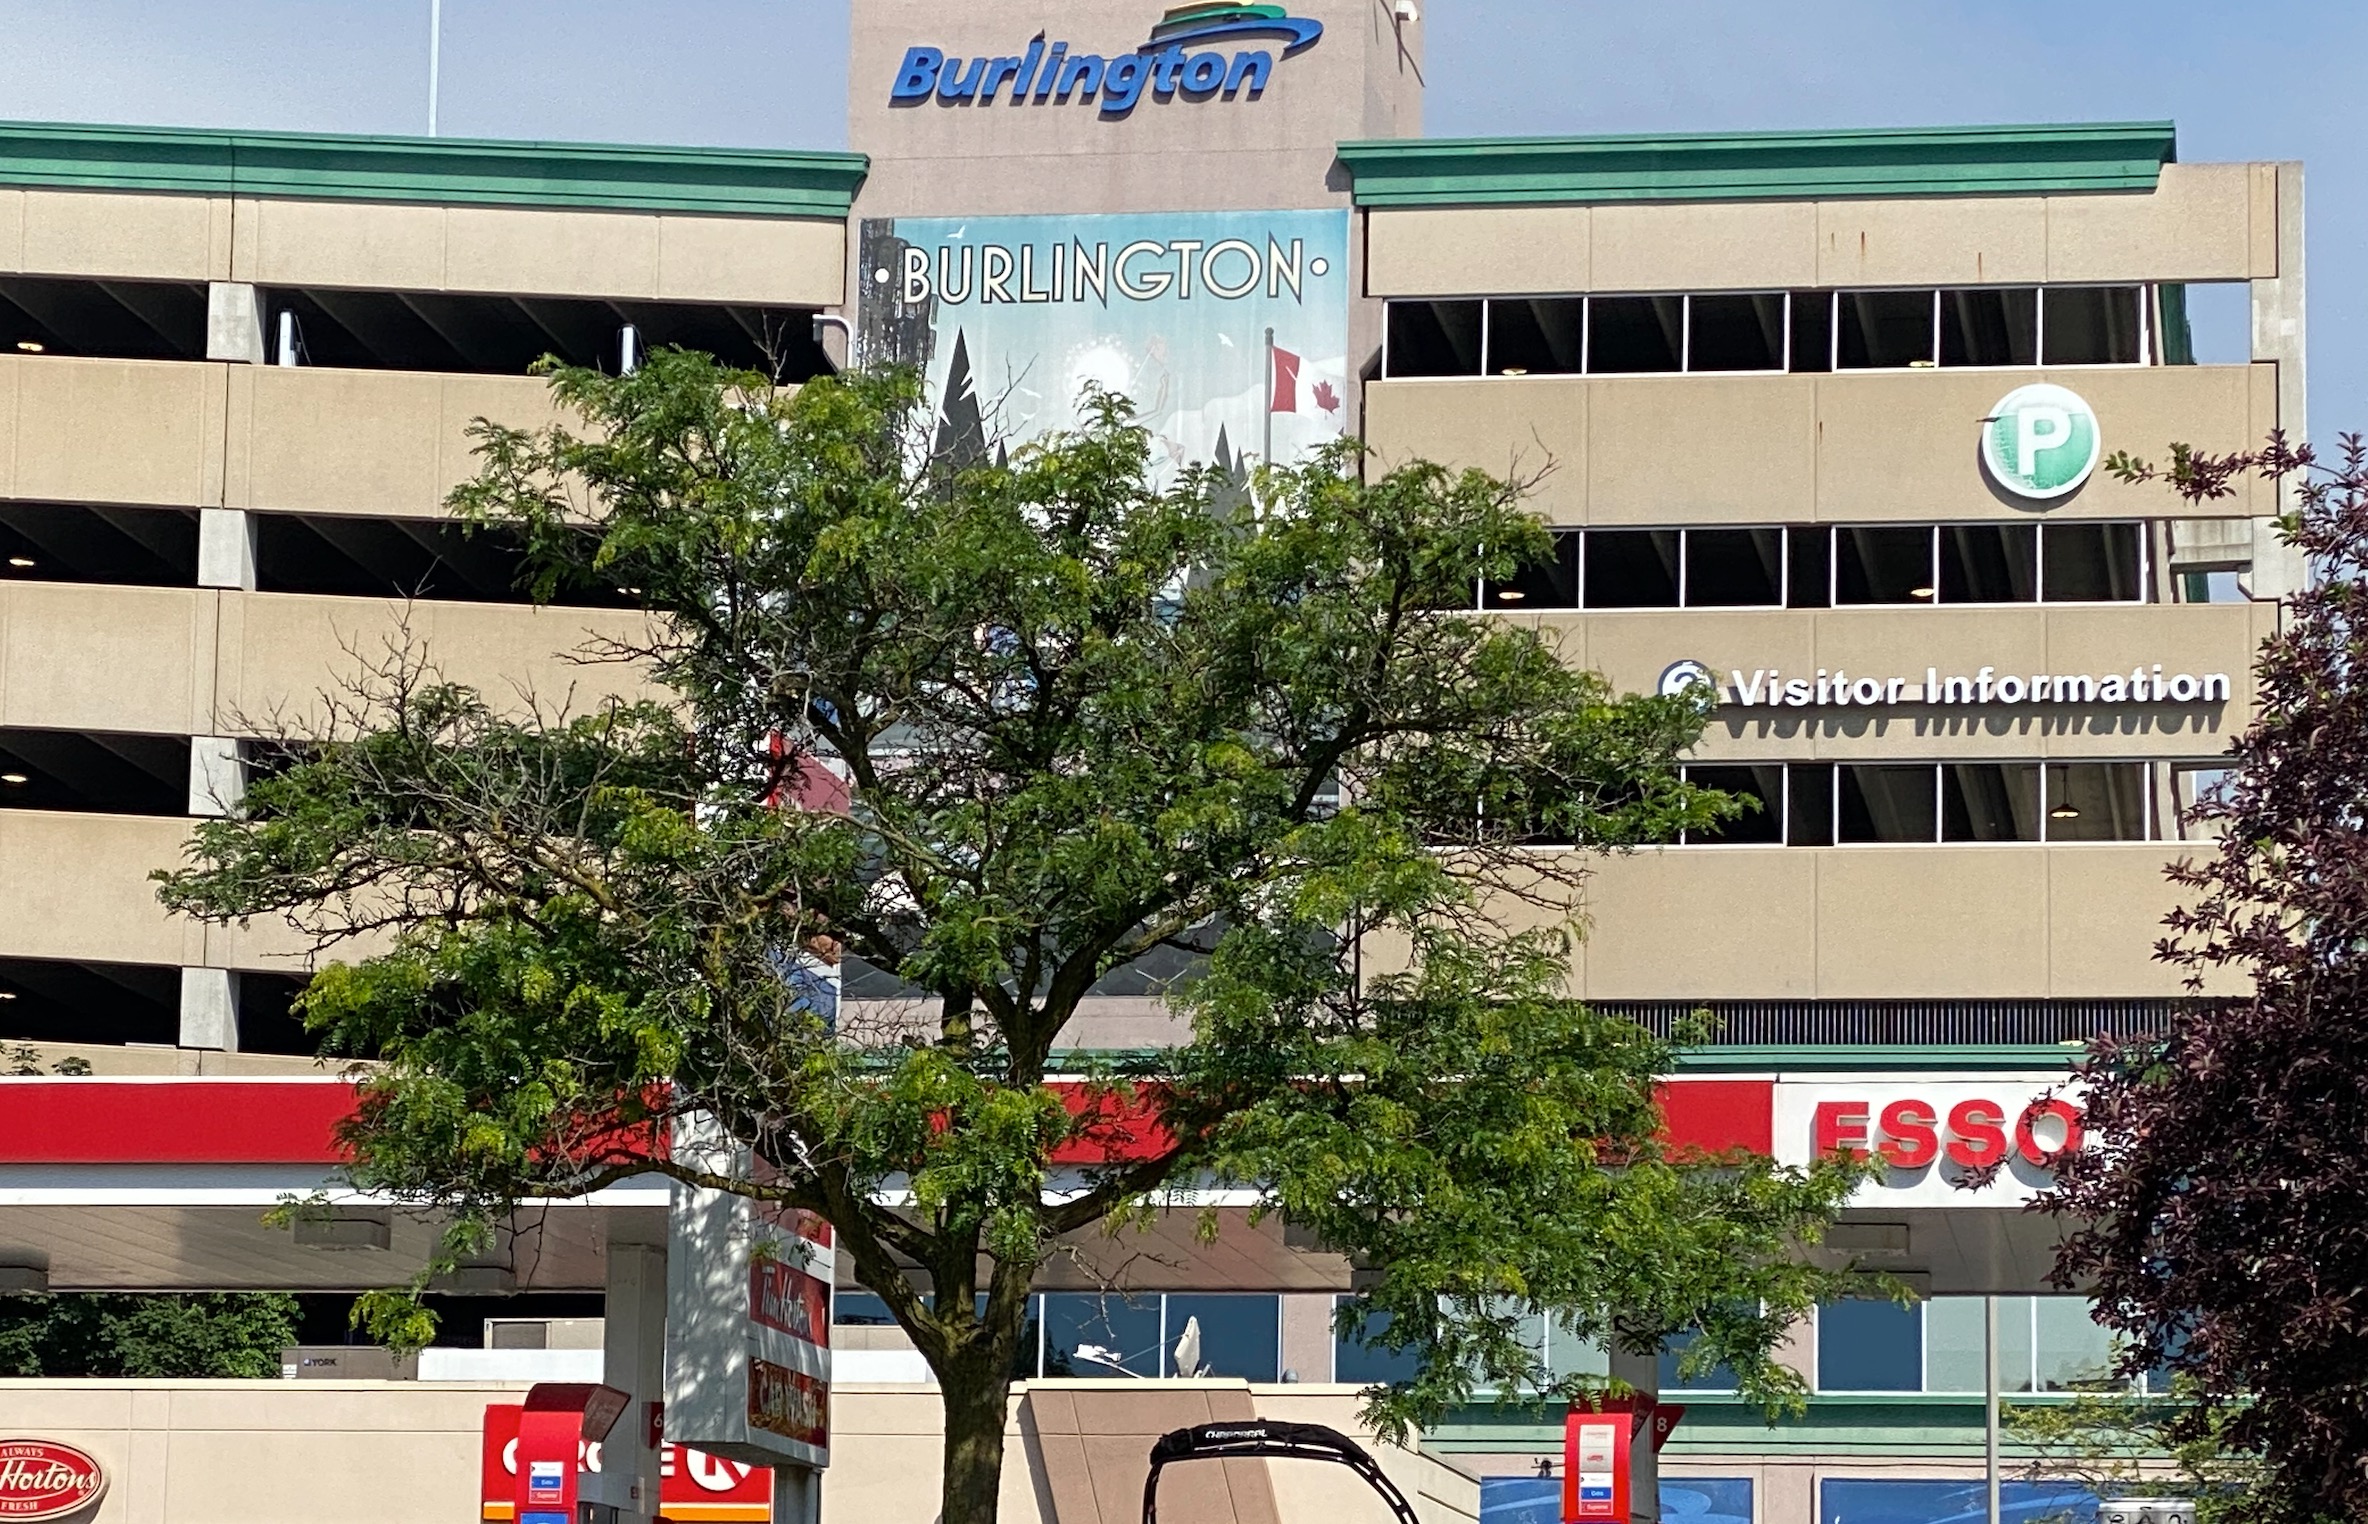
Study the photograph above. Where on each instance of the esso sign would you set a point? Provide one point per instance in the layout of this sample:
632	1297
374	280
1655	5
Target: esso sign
1932	1135
42	1479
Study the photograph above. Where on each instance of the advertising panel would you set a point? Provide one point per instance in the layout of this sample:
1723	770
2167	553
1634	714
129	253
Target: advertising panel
1937	1138
747	1320
1010	319
693	1487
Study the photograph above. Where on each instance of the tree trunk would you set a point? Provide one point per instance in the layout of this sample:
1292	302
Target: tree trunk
977	1397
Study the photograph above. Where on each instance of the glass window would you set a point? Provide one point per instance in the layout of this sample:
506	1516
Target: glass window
1809	804
1549	584
1888	802
1735	332
1884	330
1812	330
1883	565
1809	567
2090	563
2091	325
1631	334
1632	568
1527	1499
1989	801
1716	1378
2096	801
1701	1500
1990	325
1094	1334
2074	1354
1434	338
2219	586
2189	788
1869	1346
1953	1354
2014	1343
859	1309
1734	568
1852	1501
1537	336
1762	790
1989	563
1240	1334
1569	1353
1359	1362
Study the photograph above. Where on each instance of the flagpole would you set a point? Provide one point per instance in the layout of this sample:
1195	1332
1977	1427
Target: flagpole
1267	459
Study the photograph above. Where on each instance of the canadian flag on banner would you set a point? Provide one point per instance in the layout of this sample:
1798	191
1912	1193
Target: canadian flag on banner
1285	397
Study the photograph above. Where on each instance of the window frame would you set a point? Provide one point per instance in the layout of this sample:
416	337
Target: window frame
2156	774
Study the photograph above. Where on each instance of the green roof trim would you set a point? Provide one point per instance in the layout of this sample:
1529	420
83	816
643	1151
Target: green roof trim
1762	166
744	182
1907	1425
1909	1058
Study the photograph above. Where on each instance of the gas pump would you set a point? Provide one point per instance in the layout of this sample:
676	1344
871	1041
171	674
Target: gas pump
557	1420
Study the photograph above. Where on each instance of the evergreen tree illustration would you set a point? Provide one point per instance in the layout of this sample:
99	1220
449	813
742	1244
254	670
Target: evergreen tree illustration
961	427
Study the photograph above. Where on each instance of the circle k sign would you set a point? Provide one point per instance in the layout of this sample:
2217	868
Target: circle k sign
2041	441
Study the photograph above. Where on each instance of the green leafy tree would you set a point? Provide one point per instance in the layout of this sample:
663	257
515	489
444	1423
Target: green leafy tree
1056	723
2120	1443
234	1334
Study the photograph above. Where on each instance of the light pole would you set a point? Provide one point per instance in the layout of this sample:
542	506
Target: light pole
435	58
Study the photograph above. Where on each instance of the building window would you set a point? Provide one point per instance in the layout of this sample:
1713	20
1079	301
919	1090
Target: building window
1676	1378
1360	1359
1630	335
1734	568
1800	804
1884	564
2093	325
1152	1334
1886	802
1930	1502
1870	1346
1760	787
1767	332
1537	336
2045	1344
1988	563
1432	339
1631	569
2092	563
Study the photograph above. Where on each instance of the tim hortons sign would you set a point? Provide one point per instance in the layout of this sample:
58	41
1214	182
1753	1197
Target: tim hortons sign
42	1479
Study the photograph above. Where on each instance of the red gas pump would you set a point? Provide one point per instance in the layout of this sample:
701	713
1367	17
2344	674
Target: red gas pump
557	1417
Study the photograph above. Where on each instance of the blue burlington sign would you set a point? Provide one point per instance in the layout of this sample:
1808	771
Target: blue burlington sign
1163	65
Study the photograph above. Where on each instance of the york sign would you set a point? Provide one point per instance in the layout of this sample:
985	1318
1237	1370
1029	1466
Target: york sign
42	1479
1931	1134
1166	65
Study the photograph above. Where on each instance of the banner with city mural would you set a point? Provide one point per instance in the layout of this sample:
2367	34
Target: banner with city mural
1228	330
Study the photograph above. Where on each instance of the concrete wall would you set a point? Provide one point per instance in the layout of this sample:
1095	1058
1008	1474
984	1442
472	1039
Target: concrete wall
650	256
298	1452
1361	80
1845	448
2203	222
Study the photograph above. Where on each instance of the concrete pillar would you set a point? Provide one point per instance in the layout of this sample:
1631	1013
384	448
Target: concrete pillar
225	548
209	1009
2279	335
1307	1336
234	322
797	1495
217	775
633	1359
1643	1373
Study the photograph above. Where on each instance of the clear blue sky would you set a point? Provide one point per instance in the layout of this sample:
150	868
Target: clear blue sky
2268	79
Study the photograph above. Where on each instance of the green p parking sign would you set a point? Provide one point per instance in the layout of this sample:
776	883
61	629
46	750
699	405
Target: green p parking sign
2040	441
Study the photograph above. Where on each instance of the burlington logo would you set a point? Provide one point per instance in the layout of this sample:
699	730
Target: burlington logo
1162	65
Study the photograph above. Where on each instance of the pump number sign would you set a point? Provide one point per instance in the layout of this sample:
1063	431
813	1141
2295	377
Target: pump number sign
2041	441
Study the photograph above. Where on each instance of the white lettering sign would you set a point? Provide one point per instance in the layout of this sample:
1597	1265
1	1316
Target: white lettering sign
2146	683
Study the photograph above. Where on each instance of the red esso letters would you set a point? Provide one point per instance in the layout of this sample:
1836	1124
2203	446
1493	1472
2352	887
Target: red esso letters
1911	1134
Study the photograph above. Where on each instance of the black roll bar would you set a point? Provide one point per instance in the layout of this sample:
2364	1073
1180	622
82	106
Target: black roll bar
1256	1437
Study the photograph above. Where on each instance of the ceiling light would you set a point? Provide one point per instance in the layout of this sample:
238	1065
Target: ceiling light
7	994
31	346
2063	812
20	561
1510	595
1919	592
1514	370
12	779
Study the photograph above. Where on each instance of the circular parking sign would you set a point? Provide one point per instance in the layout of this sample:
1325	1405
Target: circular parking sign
2040	441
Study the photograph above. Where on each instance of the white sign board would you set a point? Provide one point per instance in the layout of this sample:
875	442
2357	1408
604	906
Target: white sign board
747	1322
1933	1135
